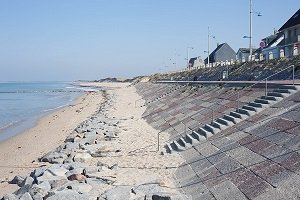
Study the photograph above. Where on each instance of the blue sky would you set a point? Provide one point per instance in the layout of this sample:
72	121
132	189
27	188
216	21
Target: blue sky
92	39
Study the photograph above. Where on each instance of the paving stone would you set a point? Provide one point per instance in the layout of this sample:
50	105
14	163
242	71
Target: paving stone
283	124
270	171
274	151
290	161
217	157
185	175
228	165
279	137
292	115
254	189
214	181
263	131
245	156
258	146
243	125
206	149
248	139
237	135
191	155
195	189
224	143
295	130
209	173
227	190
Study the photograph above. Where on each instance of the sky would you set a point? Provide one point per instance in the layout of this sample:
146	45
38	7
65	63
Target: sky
66	40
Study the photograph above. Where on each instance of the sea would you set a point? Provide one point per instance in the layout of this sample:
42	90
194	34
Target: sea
23	103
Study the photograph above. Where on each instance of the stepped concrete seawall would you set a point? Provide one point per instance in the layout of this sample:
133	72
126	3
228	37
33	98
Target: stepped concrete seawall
256	158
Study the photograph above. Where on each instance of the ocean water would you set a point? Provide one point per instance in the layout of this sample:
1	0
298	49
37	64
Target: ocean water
23	103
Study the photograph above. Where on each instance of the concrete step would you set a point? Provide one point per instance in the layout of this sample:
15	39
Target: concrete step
190	139
182	142
168	148
235	120
225	121
238	115
177	146
219	125
287	91
262	101
250	108
276	94
204	132
289	87
271	98
198	136
211	128
257	105
245	112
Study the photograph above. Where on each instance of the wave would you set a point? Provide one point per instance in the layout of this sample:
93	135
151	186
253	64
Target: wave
52	109
9	125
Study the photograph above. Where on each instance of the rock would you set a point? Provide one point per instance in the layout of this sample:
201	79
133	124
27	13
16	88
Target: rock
47	176
54	157
81	188
10	197
26	196
57	170
118	193
27	181
17	180
41	189
68	194
37	197
38	172
89	138
58	183
78	177
72	145
82	157
22	190
147	189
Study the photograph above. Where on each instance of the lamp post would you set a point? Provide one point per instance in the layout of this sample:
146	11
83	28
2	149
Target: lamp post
188	55
208	43
250	27
208	35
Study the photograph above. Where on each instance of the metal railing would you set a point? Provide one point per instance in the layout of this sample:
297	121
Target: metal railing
266	82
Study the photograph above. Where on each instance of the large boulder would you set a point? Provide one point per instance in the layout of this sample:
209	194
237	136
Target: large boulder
67	194
82	157
54	157
118	193
17	180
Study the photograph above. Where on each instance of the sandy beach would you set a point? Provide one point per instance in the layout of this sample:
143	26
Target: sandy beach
128	149
19	155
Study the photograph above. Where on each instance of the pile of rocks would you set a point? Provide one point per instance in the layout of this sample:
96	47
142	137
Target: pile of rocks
74	172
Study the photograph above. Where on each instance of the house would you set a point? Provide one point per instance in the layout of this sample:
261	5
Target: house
273	47
243	54
196	62
291	31
222	53
286	40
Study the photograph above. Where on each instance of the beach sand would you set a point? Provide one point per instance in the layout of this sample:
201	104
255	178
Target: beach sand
19	154
137	157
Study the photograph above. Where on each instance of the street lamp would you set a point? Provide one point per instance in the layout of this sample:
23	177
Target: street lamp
208	37
188	55
250	24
